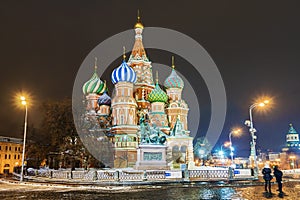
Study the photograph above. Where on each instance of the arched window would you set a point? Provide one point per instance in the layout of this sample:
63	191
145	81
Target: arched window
175	152
6	165
175	149
183	149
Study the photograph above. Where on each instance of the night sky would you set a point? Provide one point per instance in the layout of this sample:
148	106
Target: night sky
255	46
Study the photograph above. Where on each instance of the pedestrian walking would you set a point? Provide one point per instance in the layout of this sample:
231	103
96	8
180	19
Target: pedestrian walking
278	175
267	177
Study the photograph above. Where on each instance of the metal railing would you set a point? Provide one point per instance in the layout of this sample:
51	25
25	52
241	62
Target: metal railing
133	175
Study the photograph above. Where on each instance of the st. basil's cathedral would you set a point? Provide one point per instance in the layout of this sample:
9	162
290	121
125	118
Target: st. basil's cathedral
138	103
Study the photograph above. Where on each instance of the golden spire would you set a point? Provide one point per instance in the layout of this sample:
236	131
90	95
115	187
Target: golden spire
138	23
95	64
138	15
124	53
156	77
173	65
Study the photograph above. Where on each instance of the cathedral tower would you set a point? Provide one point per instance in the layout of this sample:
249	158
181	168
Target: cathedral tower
124	115
157	115
177	107
139	61
92	89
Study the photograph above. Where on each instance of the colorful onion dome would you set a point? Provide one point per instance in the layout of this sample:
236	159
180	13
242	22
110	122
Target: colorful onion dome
157	94
173	81
104	99
123	73
94	85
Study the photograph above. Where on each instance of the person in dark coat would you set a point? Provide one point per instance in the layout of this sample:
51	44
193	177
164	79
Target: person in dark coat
267	177
278	175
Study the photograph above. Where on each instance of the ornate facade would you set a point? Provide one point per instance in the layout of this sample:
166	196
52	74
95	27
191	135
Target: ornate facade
138	97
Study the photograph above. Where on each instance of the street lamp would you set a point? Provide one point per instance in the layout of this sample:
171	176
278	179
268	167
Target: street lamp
24	103
293	161
235	132
221	152
252	131
202	155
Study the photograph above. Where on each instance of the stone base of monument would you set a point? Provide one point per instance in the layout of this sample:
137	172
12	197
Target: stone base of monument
151	157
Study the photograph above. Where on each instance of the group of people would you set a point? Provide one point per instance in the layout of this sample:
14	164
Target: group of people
268	177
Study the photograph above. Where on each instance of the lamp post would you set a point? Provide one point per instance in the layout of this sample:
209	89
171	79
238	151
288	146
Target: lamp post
221	152
293	161
23	101
252	131
236	131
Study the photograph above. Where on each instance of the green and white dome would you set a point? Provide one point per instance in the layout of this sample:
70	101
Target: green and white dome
94	86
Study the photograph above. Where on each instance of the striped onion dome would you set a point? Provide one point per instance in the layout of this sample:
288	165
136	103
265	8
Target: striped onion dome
123	73
94	85
104	99
174	81
157	95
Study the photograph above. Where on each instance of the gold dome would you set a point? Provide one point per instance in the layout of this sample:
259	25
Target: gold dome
138	23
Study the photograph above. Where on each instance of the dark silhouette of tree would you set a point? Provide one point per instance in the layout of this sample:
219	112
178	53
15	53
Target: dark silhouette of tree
61	137
58	123
36	148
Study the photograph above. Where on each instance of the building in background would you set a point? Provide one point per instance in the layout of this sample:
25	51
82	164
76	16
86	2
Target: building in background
292	149
10	154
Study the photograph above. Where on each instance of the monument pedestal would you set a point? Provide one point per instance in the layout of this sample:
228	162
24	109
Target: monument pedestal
151	156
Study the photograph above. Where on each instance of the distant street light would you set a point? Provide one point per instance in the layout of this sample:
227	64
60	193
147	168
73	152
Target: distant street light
201	155
293	161
234	132
252	130
221	152
24	103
